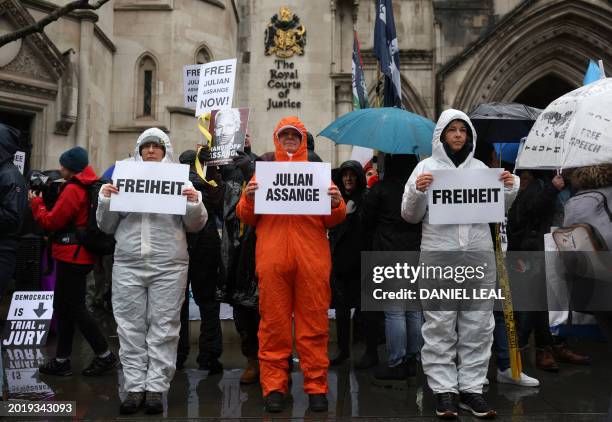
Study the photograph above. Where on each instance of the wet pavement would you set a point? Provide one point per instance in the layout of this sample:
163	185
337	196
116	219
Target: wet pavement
576	393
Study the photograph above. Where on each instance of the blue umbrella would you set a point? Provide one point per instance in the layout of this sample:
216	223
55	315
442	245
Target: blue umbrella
507	150
391	130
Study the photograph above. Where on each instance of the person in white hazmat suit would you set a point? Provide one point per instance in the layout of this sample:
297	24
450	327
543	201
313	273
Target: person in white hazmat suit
457	346
149	280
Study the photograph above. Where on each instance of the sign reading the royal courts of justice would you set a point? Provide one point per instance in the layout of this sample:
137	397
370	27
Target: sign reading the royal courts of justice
285	37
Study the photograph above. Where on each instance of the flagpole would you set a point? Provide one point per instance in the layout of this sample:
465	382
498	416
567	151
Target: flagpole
601	69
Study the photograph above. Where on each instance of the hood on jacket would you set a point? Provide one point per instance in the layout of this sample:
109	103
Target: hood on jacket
87	176
9	142
159	134
399	166
302	152
441	151
355	166
592	177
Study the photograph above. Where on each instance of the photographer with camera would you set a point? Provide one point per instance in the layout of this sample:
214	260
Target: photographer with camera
74	262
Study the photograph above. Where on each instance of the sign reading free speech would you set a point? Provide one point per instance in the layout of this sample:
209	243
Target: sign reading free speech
466	196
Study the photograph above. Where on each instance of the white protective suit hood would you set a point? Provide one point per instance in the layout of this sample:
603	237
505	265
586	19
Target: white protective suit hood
161	138
437	147
448	237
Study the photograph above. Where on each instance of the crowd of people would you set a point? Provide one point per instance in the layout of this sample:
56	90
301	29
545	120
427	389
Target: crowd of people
281	273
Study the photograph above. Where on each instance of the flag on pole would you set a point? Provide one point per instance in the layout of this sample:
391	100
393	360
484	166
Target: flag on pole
360	97
386	50
593	73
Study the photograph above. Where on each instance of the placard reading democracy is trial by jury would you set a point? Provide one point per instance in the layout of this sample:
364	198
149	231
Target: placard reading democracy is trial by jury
150	187
466	196
298	188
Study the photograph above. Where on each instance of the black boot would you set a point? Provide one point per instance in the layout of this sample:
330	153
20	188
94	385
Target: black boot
317	402
392	373
153	403
275	402
133	401
100	366
55	367
339	359
213	366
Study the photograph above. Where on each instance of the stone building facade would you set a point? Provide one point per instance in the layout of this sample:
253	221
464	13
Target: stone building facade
97	79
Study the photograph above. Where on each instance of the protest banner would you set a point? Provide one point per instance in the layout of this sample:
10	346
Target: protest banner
298	188
191	80
216	86
28	320
466	196
229	128
150	187
19	160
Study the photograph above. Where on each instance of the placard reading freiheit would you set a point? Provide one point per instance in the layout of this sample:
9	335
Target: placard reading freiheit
466	196
150	187
298	188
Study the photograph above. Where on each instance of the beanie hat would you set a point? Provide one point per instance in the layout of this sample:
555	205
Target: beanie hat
75	159
152	139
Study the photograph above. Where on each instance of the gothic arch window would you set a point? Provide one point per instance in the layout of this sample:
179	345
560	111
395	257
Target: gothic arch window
203	55
147	87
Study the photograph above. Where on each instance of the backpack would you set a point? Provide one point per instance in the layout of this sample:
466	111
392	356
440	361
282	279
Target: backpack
90	236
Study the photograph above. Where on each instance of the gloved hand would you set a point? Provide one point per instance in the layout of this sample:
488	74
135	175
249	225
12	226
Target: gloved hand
204	154
350	207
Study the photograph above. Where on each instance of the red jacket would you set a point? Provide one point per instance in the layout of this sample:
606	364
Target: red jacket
72	207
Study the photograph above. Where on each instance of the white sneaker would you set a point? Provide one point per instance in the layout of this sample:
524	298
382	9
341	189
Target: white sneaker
505	377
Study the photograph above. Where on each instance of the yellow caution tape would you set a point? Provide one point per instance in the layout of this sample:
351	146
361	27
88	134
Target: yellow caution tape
504	284
203	127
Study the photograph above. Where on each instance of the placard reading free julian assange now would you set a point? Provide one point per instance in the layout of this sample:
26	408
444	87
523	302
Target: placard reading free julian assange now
298	188
466	196
150	187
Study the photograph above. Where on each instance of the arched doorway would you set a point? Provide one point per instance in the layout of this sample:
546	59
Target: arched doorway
543	91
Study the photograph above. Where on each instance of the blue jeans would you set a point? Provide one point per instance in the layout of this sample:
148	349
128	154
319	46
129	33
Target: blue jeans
403	333
500	342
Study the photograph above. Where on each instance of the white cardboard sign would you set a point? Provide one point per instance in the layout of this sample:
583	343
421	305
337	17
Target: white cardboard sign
191	80
150	187
19	160
216	87
28	319
298	188
466	196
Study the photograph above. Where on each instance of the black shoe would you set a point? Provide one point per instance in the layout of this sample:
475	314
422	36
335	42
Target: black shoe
153	403
368	360
99	366
392	373
132	403
275	402
213	367
180	362
317	402
339	360
55	367
446	406
411	366
476	404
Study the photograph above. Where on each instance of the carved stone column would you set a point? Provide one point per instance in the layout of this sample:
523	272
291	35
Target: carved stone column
344	104
88	19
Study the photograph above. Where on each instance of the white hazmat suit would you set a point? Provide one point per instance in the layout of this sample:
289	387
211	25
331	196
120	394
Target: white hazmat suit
149	281
457	346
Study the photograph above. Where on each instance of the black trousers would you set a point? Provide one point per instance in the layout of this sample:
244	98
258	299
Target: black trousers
246	320
70	310
203	280
345	292
536	321
8	259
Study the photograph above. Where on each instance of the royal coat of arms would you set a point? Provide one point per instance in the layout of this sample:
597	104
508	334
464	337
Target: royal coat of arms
285	35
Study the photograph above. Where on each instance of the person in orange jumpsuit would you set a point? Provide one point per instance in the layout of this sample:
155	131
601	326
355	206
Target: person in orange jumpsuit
293	265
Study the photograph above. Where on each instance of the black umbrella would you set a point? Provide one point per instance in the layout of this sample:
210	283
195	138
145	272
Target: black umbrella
503	122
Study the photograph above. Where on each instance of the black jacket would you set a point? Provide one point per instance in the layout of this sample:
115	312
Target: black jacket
531	215
348	238
13	191
382	217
